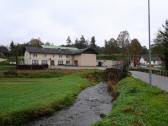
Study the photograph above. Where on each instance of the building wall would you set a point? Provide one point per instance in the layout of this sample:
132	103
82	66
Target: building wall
27	58
142	61
77	58
88	60
83	59
48	57
107	63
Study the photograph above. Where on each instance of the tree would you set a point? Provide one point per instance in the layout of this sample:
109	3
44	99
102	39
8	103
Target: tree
135	51
21	48
35	42
161	44
12	45
123	39
144	51
17	50
111	46
3	51
48	43
93	42
135	47
82	43
12	49
68	41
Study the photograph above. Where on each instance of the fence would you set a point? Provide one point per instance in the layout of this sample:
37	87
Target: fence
158	72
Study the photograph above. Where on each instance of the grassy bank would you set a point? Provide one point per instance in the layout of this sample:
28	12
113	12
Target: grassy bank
7	67
138	105
24	99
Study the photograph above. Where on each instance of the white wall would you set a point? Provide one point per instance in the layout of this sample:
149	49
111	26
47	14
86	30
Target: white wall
108	63
83	59
88	60
49	57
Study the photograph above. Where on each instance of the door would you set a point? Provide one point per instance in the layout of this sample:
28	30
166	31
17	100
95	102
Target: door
100	64
52	63
76	62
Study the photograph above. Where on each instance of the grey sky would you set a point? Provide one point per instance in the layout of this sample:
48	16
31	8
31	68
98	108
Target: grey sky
54	20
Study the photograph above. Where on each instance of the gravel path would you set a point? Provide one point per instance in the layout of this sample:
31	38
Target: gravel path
90	104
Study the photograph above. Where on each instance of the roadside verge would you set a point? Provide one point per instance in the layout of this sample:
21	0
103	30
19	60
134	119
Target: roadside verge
139	104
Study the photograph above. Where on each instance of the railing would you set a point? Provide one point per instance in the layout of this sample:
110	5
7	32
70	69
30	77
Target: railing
154	71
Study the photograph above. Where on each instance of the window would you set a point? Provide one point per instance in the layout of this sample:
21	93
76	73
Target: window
67	56
45	55
60	62
60	56
35	62
68	62
53	55
35	54
44	62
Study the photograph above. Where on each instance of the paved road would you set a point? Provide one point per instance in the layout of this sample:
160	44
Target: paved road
159	81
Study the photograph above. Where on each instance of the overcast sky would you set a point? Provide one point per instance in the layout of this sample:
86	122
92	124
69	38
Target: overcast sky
54	20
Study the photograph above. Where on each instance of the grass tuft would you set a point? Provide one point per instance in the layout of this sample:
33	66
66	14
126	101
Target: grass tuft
139	104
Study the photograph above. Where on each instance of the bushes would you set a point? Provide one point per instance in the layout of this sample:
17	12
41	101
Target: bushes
4	62
34	74
32	67
96	76
10	74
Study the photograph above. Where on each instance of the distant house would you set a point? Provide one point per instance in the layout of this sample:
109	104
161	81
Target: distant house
108	63
2	60
55	56
155	60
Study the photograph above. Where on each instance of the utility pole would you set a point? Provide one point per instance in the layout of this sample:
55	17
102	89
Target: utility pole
149	30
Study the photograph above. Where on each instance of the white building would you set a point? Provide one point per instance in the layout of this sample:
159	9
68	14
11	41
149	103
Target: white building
155	60
54	56
108	63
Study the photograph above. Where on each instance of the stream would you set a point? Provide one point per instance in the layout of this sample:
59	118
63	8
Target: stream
90	105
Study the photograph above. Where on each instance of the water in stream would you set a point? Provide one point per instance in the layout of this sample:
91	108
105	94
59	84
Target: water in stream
90	104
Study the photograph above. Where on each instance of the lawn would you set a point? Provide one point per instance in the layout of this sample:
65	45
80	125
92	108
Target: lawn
23	99
7	67
139	104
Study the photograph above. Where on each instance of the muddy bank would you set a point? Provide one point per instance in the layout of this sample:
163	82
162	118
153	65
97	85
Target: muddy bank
90	104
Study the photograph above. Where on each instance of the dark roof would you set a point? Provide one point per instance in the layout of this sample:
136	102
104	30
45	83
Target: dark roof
88	50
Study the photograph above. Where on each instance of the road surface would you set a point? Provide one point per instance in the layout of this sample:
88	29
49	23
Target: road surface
159	81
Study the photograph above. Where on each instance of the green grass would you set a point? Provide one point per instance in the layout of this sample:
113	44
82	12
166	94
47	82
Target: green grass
7	67
24	99
138	105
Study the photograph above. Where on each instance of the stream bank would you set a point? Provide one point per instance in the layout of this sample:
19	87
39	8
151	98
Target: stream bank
89	107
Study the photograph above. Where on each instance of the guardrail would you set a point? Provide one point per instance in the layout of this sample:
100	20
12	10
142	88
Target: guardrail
158	72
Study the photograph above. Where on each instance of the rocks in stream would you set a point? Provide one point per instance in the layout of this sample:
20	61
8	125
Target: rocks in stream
91	105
